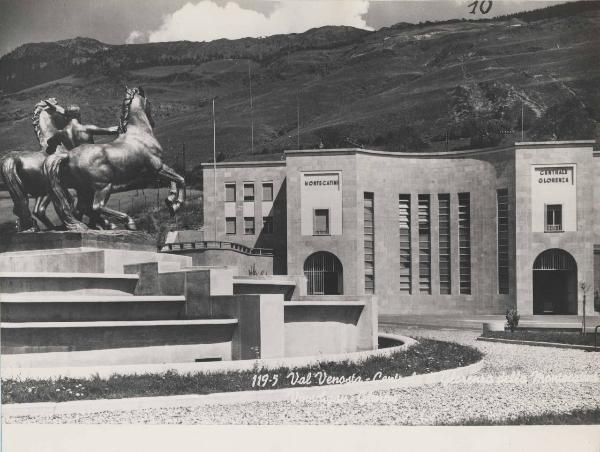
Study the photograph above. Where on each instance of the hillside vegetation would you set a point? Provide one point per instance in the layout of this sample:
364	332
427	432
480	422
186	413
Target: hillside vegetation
425	87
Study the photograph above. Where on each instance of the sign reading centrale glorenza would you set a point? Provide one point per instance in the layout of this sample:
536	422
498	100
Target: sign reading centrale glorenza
554	175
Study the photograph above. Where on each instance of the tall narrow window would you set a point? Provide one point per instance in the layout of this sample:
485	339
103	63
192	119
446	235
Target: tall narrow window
464	242
249	192
230	192
424	244
249	225
321	222
502	215
267	191
405	249
444	243
230	225
369	235
554	218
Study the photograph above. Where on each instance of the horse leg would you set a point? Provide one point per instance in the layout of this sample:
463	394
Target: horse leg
177	188
84	207
101	197
39	211
14	184
61	198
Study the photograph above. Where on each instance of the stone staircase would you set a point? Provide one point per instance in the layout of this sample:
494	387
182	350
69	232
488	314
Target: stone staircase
85	304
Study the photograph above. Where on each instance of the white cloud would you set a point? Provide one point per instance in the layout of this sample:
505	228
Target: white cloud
207	21
135	37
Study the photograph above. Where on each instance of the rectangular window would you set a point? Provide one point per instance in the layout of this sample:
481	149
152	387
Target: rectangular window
249	225
405	249
464	242
230	192
249	192
369	236
444	243
554	218
267	225
230	225
321	222
424	244
502	218
267	191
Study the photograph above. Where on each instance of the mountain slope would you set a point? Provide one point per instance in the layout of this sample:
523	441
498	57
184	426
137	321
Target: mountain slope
432	86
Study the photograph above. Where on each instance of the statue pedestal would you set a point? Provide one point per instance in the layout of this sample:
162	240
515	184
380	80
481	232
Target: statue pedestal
124	240
82	252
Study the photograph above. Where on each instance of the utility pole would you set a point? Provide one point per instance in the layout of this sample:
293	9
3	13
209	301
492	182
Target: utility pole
251	111
184	162
522	123
446	139
298	118
215	166
157	193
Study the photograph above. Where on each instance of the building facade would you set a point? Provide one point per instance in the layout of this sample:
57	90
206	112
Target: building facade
477	231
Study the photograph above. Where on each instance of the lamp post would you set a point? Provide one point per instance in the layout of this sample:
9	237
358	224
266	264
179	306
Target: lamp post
584	286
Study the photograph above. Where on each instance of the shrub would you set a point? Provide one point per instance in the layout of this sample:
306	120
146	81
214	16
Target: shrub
512	319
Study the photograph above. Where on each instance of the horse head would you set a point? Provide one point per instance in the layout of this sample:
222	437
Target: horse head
49	117
136	106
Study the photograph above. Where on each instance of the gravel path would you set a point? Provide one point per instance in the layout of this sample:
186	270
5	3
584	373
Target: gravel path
515	380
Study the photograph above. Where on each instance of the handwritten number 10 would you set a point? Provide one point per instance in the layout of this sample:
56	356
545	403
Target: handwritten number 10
484	6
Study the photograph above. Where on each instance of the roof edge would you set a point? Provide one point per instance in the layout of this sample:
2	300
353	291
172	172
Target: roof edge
244	164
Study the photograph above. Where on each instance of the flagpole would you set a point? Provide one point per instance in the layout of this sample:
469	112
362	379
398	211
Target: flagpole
251	110
215	165
298	118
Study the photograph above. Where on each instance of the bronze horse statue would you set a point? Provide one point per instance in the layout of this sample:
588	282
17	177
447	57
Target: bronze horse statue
22	170
95	171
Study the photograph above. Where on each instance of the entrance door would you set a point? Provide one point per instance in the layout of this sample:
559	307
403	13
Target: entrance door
555	283
324	273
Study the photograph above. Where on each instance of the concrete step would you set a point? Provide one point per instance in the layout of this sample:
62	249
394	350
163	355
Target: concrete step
78	308
242	285
55	283
42	337
71	260
26	364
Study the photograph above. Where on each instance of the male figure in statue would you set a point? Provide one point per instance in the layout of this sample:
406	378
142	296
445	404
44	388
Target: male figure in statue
71	136
75	133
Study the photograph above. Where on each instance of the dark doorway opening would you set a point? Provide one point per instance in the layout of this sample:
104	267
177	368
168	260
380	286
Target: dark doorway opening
554	283
324	274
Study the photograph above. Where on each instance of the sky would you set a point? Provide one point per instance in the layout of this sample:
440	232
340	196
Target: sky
137	21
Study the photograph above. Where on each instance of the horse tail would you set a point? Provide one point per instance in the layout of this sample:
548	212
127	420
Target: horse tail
58	194
16	189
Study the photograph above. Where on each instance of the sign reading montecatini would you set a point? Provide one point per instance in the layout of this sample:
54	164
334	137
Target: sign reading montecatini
554	175
322	180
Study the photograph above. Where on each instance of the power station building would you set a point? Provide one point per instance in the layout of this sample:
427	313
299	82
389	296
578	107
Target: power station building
461	232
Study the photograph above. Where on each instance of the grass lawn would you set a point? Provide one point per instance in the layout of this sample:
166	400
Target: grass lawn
575	417
573	338
425	357
146	206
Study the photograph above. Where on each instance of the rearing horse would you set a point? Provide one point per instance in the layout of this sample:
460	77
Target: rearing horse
22	170
97	170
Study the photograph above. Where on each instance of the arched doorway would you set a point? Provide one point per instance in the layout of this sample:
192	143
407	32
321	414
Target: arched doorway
554	283
324	274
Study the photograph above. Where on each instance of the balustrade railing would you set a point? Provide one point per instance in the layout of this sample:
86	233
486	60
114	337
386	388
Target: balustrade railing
213	245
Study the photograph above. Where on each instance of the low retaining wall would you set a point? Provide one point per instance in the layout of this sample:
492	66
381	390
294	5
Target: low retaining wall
61	368
246	264
324	327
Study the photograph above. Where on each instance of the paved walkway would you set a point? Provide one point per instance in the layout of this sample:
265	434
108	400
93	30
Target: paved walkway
474	322
515	380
